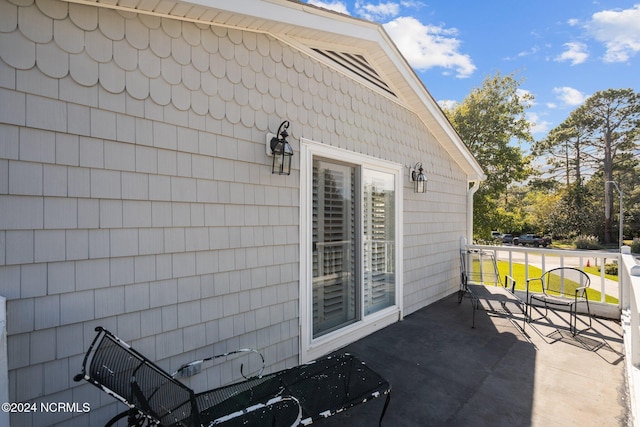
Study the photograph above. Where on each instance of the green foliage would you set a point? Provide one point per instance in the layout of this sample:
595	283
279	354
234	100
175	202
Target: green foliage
611	268
613	120
564	148
598	142
489	120
587	242
571	212
635	246
512	219
541	212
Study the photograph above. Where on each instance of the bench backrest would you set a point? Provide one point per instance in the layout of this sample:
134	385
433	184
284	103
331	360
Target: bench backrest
113	366
564	281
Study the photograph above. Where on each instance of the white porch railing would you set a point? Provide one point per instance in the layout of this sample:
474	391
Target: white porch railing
629	274
546	259
626	290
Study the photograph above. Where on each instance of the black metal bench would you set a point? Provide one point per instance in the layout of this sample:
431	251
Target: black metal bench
292	397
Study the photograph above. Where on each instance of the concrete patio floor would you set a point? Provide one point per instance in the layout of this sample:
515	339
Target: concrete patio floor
443	372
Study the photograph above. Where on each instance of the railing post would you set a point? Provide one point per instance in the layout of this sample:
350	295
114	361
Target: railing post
629	277
629	274
510	263
635	337
625	282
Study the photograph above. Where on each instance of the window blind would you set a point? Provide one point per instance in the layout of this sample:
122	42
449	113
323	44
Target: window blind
379	247
334	228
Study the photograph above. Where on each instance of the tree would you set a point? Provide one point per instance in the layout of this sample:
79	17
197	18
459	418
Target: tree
491	121
578	212
596	140
632	203
613	118
627	176
542	212
564	148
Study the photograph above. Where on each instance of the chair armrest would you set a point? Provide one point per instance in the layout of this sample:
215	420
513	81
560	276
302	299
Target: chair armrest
533	279
527	286
194	367
508	279
581	288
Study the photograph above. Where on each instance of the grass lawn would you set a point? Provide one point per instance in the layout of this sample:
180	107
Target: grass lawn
595	271
520	278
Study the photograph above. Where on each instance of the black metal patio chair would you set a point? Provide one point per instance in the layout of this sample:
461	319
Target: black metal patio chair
292	397
480	281
562	287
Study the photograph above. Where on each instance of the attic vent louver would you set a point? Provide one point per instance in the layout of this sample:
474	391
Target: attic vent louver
358	65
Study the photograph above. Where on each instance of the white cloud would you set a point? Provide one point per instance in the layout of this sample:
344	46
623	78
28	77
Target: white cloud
573	22
576	53
412	3
428	46
377	12
531	51
569	96
522	54
619	30
335	5
424	46
538	126
526	97
551	105
448	104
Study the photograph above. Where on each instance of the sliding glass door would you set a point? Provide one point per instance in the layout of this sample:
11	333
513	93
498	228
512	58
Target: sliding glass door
379	240
350	246
335	295
353	243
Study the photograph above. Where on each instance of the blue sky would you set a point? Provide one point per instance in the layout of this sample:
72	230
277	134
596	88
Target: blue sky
565	50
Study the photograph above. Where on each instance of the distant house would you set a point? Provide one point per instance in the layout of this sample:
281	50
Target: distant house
136	192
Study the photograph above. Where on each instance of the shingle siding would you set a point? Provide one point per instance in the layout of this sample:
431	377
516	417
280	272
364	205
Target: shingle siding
135	193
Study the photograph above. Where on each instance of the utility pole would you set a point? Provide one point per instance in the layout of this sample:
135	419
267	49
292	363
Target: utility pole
620	218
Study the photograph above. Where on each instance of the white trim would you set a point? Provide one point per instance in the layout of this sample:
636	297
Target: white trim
311	348
470	192
345	336
365	160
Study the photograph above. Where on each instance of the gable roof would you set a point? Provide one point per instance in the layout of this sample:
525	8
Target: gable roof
358	46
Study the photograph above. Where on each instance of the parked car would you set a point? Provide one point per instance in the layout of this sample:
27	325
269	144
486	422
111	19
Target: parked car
507	238
532	239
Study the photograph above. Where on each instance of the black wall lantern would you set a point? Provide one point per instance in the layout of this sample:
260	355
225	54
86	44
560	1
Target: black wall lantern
281	151
418	179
